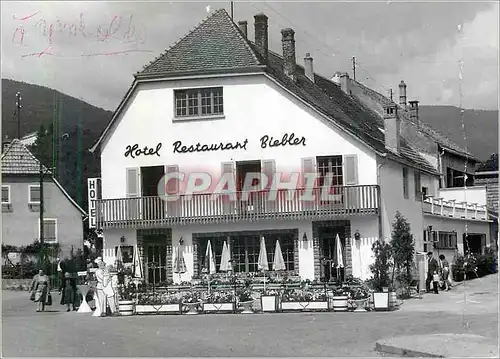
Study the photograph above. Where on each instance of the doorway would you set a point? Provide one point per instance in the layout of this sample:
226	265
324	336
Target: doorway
328	252
153	207
249	200
474	243
155	255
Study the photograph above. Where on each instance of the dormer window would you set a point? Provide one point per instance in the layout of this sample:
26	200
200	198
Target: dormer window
199	102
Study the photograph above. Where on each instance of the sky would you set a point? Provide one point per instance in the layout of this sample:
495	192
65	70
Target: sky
447	53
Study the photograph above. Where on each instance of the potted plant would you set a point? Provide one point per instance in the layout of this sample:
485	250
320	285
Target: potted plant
191	303
340	300
126	302
245	300
269	300
380	270
219	301
359	297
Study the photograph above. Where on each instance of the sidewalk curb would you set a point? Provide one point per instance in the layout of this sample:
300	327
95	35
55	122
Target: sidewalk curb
402	352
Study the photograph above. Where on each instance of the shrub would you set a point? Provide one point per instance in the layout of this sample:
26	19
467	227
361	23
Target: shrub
403	251
380	268
464	267
486	263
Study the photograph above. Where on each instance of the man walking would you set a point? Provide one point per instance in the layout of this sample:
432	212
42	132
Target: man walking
432	268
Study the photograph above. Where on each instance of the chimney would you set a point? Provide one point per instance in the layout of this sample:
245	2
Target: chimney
402	94
6	143
392	127
288	43
345	83
261	37
243	25
414	112
308	67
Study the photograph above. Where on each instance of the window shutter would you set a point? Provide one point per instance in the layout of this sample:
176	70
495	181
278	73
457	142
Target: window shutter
133	184
308	166
172	187
227	204
418	186
269	169
133	193
351	169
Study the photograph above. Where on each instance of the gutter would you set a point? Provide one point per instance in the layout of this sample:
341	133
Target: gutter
379	166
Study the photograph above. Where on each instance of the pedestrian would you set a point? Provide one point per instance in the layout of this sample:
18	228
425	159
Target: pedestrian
102	280
432	267
436	278
110	290
69	292
40	290
445	272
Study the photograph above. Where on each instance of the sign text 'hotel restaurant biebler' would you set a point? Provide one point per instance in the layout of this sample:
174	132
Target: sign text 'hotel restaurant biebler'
266	141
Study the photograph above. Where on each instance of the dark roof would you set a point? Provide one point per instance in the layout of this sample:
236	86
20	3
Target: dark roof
17	160
422	126
350	113
216	43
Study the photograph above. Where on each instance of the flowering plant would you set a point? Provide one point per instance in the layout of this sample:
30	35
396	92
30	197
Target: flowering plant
299	295
191	297
245	295
219	297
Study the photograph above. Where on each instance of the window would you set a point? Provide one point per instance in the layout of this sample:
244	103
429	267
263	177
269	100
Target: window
446	240
34	194
49	230
405	183
418	186
199	102
6	194
425	192
455	178
245	250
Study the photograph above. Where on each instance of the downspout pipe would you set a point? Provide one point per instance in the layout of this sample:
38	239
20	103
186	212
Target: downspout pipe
379	182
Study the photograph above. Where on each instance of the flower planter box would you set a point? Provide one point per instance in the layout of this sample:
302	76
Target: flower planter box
381	301
157	309
339	303
218	307
393	301
191	308
304	306
247	307
126	307
269	303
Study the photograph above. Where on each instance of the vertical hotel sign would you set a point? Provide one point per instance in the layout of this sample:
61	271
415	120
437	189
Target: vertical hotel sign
93	185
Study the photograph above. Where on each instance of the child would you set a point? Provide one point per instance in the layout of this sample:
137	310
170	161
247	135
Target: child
435	282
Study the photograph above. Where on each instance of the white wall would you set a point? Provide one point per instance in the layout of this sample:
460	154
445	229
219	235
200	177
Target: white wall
361	250
253	107
392	200
476	194
460	226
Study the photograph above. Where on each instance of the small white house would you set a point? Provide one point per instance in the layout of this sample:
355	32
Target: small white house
219	104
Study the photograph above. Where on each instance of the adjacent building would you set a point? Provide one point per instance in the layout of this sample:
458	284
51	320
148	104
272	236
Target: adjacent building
62	217
219	104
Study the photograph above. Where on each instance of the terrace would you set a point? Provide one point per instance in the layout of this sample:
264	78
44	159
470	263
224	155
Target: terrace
209	208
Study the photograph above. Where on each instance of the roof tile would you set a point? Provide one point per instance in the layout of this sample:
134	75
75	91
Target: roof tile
18	160
213	44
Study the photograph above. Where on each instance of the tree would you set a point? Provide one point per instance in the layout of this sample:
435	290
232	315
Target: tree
42	148
403	249
380	268
491	164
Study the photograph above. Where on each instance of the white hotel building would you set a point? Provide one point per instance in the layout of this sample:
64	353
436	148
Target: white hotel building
216	86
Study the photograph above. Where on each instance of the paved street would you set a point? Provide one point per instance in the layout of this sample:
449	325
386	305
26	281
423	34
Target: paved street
27	333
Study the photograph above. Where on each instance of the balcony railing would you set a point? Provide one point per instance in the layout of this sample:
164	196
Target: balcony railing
454	209
224	208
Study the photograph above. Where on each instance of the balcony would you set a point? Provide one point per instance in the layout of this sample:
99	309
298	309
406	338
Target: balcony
454	209
208	208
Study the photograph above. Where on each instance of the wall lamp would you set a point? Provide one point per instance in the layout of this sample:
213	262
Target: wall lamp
181	241
304	237
357	236
122	239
